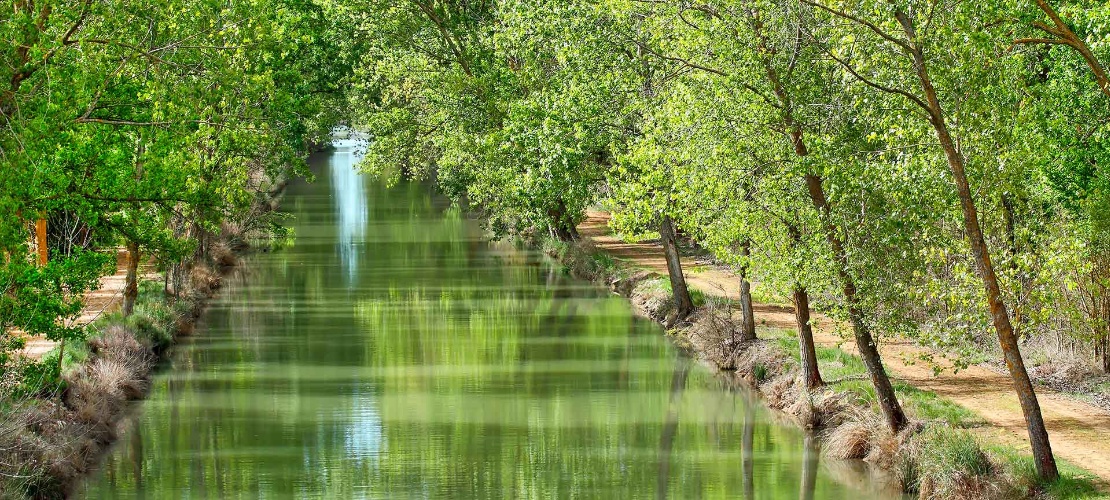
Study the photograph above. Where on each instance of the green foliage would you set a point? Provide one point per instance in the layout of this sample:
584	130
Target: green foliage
148	123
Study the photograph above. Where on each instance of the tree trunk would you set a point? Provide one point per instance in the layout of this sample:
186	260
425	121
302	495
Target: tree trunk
131	288
865	341
1038	435
747	328
40	241
560	232
1105	319
561	223
683	303
896	418
1106	351
811	374
1068	37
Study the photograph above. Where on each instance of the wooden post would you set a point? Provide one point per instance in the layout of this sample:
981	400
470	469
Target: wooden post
40	240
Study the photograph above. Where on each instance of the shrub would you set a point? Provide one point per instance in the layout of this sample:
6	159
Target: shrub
950	463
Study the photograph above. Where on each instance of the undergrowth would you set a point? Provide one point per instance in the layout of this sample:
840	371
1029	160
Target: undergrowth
938	456
56	420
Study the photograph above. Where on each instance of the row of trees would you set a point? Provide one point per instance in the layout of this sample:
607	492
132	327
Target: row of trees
918	167
148	126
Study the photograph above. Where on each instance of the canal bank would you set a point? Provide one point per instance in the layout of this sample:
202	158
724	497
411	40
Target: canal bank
949	451
59	431
391	351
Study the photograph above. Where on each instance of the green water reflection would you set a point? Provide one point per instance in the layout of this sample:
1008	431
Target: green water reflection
392	353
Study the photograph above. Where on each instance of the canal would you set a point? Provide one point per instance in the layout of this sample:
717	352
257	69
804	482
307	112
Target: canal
390	351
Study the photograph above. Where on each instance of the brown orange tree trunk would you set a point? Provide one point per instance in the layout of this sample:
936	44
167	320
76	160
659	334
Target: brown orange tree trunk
684	305
1007	338
40	241
865	341
131	287
811	373
747	313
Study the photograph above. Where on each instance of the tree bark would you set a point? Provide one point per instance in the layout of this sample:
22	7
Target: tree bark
1065	36
1104	317
865	341
131	288
1007	339
40	241
747	327
811	373
1106	350
561	223
683	303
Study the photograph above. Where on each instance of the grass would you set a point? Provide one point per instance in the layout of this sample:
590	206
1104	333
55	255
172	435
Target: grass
949	460
698	297
579	260
943	460
846	372
1074	482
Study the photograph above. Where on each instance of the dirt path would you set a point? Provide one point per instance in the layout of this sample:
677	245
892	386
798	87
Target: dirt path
107	298
1080	432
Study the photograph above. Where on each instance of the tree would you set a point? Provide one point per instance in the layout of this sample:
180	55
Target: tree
910	48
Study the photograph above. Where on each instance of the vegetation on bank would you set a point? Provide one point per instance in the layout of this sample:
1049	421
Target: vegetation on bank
934	171
56	424
938	455
162	128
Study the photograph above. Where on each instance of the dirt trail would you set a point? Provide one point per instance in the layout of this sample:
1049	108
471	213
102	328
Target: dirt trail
1079	432
107	298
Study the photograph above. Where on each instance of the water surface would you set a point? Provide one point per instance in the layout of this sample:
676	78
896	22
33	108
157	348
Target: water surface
391	352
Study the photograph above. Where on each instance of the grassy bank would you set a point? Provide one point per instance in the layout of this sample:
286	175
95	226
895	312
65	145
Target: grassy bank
943	454
58	418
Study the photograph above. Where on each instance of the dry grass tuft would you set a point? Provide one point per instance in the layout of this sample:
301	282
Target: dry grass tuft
204	279
940	462
804	411
780	391
715	334
223	254
850	440
118	343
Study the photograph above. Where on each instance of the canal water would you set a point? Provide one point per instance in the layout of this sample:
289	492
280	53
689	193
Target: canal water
391	352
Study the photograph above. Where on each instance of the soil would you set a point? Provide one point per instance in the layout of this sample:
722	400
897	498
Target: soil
1077	430
107	298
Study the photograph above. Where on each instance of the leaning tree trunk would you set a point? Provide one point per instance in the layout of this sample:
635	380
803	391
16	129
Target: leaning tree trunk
1104	318
1106	349
131	288
1007	338
865	341
811	374
747	327
683	303
561	223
